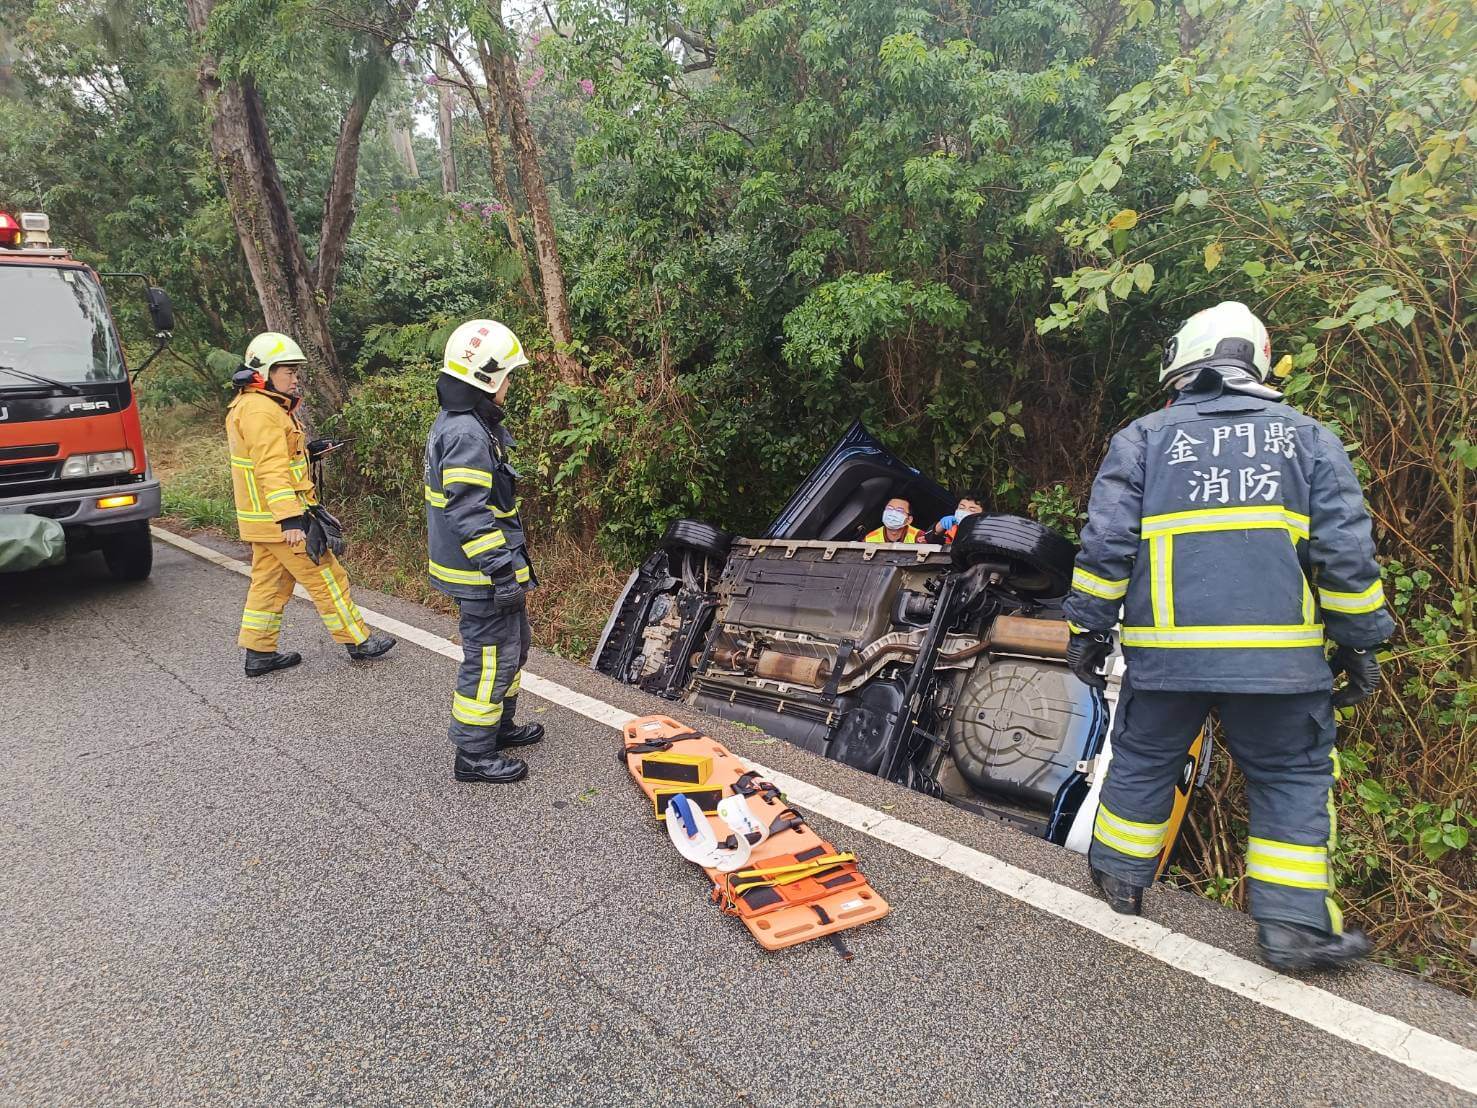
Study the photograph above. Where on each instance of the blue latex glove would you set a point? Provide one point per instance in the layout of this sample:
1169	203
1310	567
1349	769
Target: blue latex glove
945	523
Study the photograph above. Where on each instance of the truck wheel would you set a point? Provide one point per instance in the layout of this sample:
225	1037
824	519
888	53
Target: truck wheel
130	553
692	534
1039	560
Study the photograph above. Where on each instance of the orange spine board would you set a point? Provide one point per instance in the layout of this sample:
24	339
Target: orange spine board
778	928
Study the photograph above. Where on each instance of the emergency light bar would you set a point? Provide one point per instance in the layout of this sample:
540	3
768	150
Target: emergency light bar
10	231
36	227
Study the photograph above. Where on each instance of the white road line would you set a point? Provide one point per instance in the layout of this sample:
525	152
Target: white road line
1344	1019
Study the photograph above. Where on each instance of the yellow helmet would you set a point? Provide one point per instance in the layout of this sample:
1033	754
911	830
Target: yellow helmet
476	347
271	348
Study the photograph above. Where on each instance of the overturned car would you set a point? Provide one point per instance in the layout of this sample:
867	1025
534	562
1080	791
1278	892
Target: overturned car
939	667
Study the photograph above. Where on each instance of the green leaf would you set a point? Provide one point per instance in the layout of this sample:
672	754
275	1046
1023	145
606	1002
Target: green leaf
1214	252
1199	198
1143	276
1122	284
1017	430
1124	220
997	418
1254	269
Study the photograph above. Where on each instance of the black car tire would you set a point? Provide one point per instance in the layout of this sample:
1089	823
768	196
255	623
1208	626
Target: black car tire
691	534
130	553
1040	560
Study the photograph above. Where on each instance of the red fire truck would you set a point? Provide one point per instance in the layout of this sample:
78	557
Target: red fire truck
71	449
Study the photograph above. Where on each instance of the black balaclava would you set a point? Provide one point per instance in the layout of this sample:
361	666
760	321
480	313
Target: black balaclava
458	396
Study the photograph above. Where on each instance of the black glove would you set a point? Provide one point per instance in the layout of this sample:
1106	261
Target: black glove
324	533
1086	654
507	596
1363	670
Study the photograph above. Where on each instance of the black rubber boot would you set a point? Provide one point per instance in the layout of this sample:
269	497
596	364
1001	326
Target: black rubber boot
490	767
1295	946
1123	898
373	647
511	735
259	663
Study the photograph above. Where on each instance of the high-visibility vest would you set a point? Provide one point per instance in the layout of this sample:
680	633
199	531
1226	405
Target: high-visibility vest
880	535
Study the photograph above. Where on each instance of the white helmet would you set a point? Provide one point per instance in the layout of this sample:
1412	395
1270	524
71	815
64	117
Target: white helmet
477	345
1226	337
272	348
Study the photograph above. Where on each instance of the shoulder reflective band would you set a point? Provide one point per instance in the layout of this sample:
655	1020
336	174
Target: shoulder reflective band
1360	603
1224	638
434	498
465	476
1101	587
1224	519
457	576
1137	840
1277	863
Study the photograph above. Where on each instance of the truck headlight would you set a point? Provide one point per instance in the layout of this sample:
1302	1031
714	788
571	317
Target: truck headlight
91	465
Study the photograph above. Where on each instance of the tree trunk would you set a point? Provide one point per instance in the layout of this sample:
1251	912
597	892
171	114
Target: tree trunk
269	239
404	149
338	210
443	132
492	117
525	148
294	295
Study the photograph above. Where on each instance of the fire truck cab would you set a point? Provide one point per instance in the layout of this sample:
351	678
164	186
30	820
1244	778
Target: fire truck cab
71	449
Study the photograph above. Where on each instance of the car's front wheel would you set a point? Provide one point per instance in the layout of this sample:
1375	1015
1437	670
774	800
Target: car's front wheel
1037	559
704	538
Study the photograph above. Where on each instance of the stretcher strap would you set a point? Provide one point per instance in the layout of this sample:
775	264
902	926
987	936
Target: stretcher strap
787	820
749	784
651	746
774	876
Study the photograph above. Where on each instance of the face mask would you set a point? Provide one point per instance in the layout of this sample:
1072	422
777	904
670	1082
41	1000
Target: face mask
894	518
962	514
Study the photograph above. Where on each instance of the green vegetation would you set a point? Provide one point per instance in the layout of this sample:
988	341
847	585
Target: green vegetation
727	228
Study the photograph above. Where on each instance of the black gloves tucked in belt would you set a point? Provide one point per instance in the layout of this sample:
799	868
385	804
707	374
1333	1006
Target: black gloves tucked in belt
507	595
1086	654
1363	670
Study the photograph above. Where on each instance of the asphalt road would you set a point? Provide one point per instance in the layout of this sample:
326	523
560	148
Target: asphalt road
221	891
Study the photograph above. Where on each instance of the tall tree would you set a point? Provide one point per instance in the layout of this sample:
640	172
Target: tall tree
295	294
502	64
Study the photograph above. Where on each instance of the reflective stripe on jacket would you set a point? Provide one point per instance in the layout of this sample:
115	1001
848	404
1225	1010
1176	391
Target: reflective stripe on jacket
880	535
1232	532
473	531
269	464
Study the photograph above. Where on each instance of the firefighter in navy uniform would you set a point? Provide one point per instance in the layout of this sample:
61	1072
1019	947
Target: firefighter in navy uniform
477	553
1231	530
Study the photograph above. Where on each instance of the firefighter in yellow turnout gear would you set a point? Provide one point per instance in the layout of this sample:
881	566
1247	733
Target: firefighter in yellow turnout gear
273	490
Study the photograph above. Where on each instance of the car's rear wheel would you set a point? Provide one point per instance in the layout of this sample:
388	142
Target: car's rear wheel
129	553
694	535
1038	560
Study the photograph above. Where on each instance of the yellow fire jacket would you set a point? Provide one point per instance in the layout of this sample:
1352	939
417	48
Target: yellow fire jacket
269	464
